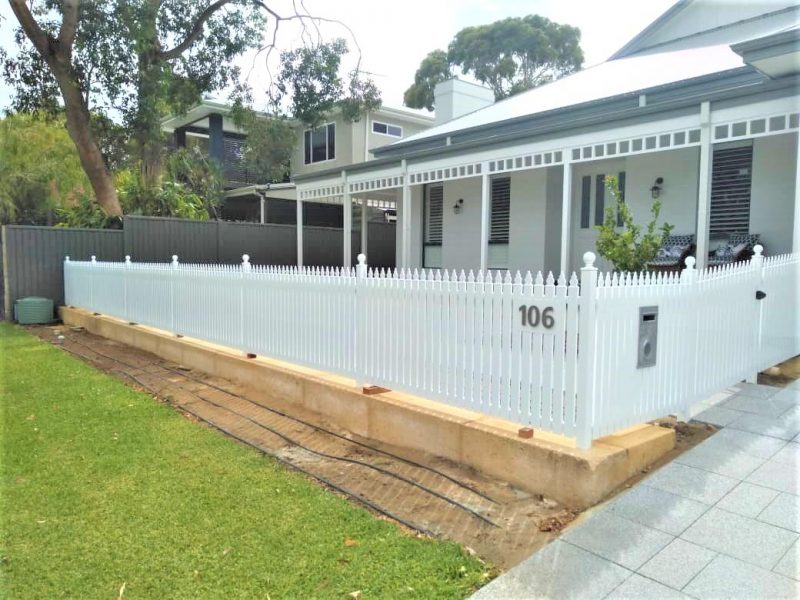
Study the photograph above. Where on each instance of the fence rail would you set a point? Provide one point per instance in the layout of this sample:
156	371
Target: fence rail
557	354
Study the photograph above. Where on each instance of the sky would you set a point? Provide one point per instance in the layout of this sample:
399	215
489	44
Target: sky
394	36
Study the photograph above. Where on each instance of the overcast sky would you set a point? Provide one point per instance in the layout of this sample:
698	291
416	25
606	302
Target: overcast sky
394	36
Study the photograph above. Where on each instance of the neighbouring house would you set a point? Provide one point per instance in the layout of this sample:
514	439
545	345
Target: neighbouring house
700	109
337	144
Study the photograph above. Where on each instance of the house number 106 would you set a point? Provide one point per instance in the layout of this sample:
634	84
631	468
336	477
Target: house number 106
533	317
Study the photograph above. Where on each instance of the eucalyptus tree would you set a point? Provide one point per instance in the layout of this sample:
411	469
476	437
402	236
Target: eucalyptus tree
510	56
136	61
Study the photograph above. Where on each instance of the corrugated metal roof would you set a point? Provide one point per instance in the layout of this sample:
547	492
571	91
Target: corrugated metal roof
606	80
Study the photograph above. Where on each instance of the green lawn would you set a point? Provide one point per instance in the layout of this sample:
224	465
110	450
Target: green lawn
103	486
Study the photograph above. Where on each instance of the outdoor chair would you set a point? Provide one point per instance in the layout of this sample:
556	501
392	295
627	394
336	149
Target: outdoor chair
673	253
739	247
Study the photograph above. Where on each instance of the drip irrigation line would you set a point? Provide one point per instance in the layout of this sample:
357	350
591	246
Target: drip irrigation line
293	442
307	424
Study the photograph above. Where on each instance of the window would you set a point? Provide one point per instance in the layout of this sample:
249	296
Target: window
599	199
501	208
434	205
387	129
320	144
731	176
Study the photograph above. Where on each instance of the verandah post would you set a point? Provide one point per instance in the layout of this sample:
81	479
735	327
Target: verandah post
586	351
689	278
757	263
360	354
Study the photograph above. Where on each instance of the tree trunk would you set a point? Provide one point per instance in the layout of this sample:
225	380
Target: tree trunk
79	127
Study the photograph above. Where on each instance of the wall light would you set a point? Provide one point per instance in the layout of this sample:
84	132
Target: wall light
458	206
655	191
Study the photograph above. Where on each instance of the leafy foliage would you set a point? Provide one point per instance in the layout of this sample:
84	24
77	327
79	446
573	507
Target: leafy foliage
435	68
310	78
271	140
39	169
199	175
629	247
509	56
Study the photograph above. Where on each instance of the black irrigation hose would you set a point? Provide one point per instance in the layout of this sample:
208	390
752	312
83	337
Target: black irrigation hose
292	442
342	490
311	425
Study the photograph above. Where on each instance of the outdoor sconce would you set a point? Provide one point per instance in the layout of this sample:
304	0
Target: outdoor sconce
458	206
655	191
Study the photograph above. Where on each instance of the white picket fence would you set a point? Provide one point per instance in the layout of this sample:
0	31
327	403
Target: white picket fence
560	355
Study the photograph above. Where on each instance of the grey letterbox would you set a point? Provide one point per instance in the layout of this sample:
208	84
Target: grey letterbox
648	336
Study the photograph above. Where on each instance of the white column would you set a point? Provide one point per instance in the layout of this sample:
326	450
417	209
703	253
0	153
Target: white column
364	226
704	185
796	238
486	206
299	232
405	217
347	210
262	215
566	213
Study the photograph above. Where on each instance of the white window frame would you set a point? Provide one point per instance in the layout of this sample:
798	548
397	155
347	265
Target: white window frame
387	134
327	147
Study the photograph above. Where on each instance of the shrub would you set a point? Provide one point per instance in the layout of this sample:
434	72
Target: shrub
628	246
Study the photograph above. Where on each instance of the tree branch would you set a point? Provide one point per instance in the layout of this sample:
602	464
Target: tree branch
195	33
69	26
36	34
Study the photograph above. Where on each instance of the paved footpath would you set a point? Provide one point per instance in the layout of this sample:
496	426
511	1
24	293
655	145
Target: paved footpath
721	521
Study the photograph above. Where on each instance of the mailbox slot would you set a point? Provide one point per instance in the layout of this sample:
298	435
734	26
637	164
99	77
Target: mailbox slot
647	347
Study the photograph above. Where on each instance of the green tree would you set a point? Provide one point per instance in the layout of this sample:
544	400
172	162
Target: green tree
39	169
435	68
627	245
509	56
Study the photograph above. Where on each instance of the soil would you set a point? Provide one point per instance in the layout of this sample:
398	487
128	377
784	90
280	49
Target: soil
424	494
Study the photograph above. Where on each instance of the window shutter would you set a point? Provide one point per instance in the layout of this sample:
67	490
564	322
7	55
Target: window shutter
599	199
586	189
434	206
501	210
307	145
621	182
731	177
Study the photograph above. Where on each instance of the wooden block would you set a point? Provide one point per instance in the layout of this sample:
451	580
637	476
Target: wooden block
525	432
371	390
251	355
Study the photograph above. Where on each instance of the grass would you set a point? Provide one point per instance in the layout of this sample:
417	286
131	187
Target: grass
102	486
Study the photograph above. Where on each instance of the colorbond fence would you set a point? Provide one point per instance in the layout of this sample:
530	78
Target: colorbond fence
560	355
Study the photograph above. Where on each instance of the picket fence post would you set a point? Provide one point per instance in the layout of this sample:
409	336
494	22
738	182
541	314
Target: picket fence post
91	283
67	284
757	263
360	354
586	351
125	285
689	278
245	269
174	266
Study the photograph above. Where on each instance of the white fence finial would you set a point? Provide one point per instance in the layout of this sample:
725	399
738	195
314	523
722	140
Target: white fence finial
758	249
94	258
245	262
589	258
127	259
361	268
690	261
66	258
174	260
689	274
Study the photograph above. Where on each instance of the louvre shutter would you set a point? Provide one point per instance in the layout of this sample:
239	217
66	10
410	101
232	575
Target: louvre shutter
621	185
501	210
599	199
434	200
586	189
731	177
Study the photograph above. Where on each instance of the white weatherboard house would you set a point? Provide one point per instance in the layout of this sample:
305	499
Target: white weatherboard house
701	108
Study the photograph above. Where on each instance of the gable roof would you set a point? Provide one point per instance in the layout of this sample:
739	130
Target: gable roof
634	44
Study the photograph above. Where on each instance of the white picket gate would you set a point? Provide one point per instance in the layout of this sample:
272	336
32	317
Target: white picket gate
554	354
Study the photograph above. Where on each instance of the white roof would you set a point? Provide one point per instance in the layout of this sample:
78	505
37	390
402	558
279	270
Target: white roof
608	79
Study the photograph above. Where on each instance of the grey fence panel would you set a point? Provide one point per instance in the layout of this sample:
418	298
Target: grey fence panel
266	244
156	239
33	258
